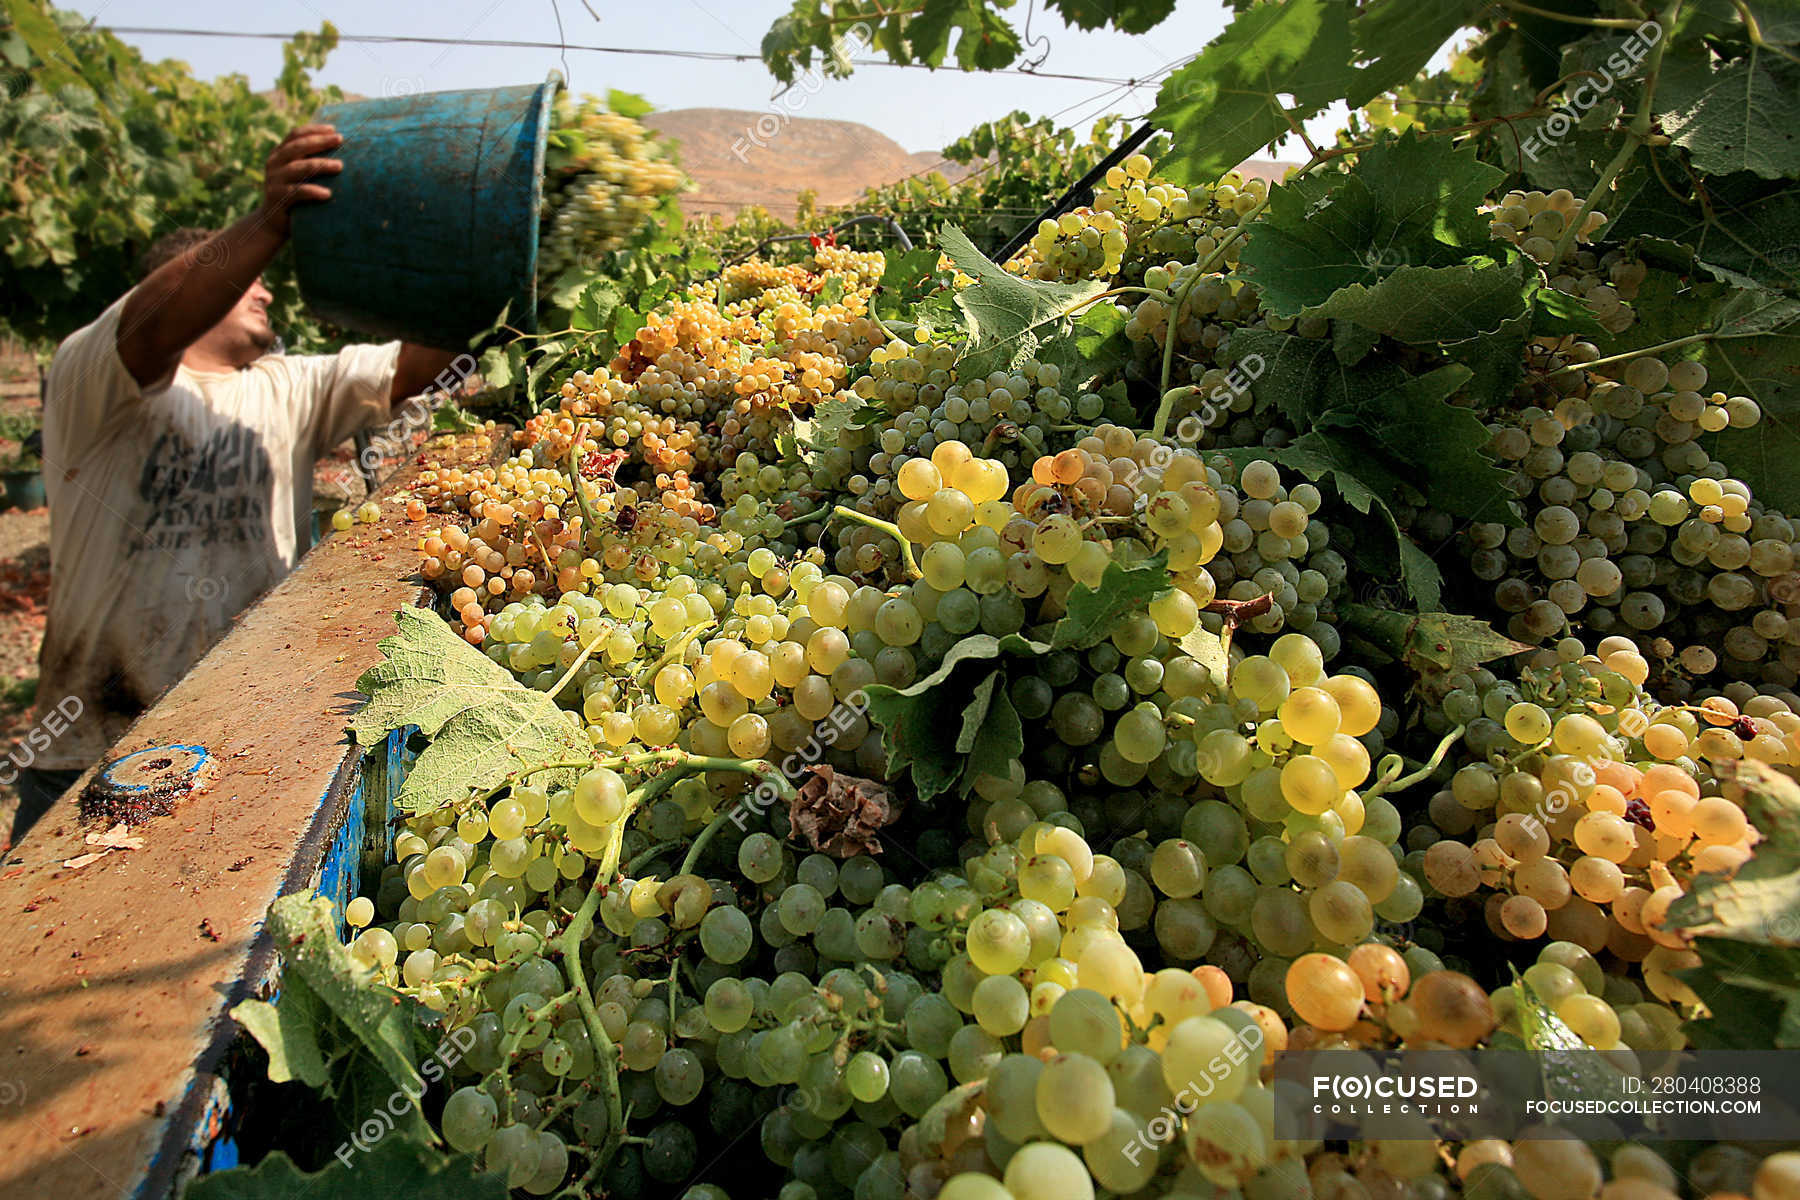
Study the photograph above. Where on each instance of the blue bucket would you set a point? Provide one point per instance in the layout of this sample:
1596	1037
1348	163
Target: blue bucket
432	227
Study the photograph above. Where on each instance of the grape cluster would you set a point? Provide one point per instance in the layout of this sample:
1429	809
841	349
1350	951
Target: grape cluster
605	176
1136	224
1012	416
1591	807
1632	528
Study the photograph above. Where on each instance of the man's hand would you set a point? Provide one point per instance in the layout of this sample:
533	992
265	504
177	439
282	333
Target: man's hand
288	179
184	298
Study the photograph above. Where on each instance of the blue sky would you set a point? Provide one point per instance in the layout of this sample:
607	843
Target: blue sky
920	110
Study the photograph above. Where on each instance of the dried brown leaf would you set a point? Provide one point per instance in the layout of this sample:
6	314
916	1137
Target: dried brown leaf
840	815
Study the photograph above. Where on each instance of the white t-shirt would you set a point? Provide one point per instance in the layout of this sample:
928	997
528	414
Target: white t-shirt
174	507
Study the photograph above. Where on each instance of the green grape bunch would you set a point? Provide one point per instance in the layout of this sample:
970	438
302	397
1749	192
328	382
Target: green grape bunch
605	177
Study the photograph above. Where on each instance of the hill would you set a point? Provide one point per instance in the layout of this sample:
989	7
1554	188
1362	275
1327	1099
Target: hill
738	158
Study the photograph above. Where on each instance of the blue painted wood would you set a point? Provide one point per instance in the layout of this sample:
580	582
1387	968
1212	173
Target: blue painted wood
432	227
363	843
340	876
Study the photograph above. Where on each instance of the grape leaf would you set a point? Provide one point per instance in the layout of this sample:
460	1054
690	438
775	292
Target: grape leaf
1003	311
962	703
1093	613
1411	201
497	367
1395	39
981	40
1438	445
1355	467
1732	116
1419	572
1127	16
1748	225
628	104
902	279
993	746
980	701
483	723
394	1166
1778	21
1754	351
1232	100
1572	1070
1093	346
1351	343
1437	641
1554	312
1752	995
1422	442
1208	649
341	1010
289	1033
1761	903
1302	377
1496	360
1225	105
1422	305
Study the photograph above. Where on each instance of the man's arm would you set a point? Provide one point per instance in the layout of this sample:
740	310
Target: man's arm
184	298
417	368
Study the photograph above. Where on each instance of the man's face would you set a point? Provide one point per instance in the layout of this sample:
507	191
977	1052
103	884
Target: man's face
248	320
244	334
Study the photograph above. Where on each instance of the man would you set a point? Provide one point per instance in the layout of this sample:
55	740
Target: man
178	457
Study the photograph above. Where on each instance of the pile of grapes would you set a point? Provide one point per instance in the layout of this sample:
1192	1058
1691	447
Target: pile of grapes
763	946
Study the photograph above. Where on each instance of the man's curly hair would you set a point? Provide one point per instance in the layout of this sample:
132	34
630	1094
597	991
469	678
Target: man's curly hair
169	247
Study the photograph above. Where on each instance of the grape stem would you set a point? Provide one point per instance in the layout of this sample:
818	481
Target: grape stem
549	563
1109	293
684	764
1393	764
672	652
563	1103
1166	408
1754	30
518	776
1673	344
887	527
645	856
509	1049
1597	22
606	1054
1237	612
1635	135
581	500
705	836
563	682
803	518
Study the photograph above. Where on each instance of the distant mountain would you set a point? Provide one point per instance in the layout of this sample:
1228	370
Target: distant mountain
738	158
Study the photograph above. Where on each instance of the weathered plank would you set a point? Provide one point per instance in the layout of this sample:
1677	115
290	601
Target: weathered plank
115	977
